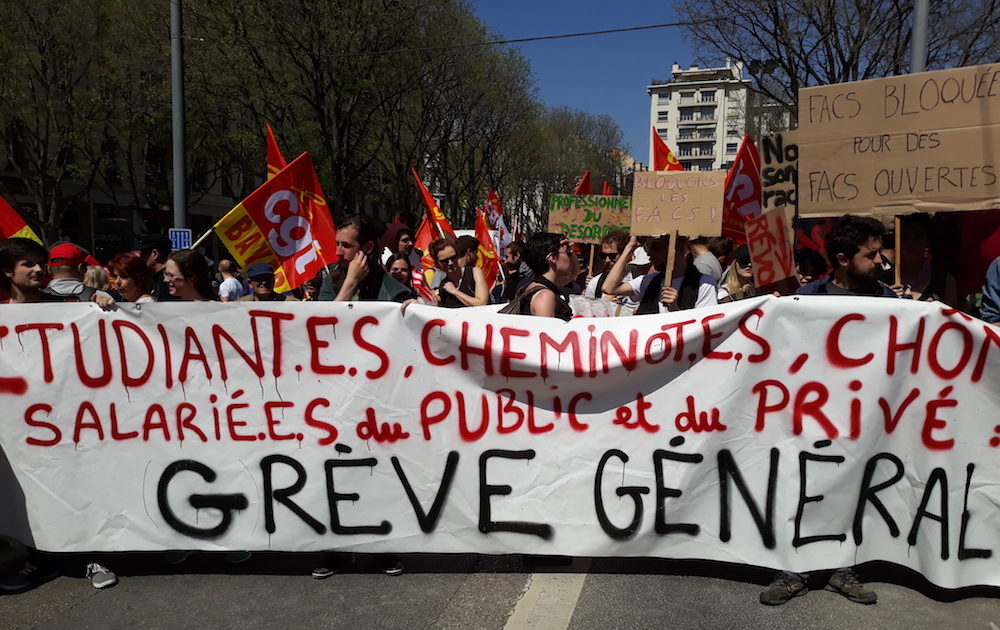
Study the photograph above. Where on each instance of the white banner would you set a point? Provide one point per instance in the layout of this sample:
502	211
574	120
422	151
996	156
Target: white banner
795	433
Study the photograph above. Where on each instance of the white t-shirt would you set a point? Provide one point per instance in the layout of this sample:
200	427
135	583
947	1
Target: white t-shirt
707	291
591	290
231	289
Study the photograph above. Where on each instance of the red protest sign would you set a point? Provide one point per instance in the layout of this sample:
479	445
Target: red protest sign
770	249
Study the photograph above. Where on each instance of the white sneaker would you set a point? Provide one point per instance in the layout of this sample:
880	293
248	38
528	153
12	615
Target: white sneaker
100	576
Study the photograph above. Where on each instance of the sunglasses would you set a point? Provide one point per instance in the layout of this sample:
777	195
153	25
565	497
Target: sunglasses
608	256
744	262
445	261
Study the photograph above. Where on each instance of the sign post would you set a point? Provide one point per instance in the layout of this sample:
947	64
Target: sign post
180	238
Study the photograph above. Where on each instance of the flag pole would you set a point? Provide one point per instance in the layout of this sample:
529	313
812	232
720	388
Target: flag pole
203	238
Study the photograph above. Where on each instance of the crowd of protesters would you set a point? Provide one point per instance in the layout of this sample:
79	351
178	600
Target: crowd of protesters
380	263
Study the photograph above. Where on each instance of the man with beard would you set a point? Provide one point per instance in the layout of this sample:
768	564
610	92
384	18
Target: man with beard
853	247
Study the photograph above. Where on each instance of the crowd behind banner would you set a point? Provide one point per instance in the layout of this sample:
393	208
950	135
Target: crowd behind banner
543	274
540	273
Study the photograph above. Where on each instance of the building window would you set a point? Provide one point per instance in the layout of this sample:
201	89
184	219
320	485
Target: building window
663	98
685	151
686	95
687	115
730	147
708	96
662	132
733	132
661	116
685	134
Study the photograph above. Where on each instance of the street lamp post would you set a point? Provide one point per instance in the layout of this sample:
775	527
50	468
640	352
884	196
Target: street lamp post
177	110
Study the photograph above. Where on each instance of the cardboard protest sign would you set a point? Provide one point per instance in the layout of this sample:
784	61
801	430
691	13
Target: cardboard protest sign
688	202
800	434
925	142
587	218
771	250
779	170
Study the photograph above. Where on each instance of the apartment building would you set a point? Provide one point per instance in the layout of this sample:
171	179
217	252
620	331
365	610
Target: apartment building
701	114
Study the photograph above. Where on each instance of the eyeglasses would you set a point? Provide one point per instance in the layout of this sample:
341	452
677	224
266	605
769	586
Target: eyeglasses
445	261
171	276
609	256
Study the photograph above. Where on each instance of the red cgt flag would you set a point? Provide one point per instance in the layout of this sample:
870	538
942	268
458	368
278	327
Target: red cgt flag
488	260
285	223
743	192
584	188
275	161
439	223
663	158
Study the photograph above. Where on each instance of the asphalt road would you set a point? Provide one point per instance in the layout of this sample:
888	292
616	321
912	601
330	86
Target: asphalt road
462	591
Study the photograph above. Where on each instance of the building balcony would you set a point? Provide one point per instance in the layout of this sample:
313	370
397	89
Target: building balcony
696	120
701	138
697	155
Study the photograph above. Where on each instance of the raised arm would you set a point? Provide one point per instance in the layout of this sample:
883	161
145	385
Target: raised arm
613	284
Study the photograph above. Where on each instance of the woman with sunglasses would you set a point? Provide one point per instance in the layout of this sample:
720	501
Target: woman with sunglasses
460	287
737	283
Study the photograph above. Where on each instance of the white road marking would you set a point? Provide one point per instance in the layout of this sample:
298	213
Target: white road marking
549	600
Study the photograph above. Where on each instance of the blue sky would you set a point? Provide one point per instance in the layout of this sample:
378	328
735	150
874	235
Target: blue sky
600	74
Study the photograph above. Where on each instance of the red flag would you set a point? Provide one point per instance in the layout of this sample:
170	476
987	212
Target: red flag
583	188
606	189
663	158
488	260
11	223
285	223
275	161
439	223
743	192
422	240
494	213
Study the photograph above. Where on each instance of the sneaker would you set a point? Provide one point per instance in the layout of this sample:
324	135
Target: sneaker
236	557
784	587
177	557
100	576
846	582
390	565
332	563
30	576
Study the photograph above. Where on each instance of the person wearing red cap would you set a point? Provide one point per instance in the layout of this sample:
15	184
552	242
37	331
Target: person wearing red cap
67	265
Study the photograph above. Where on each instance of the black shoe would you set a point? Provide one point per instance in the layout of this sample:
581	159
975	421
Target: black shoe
32	574
784	587
332	563
390	565
846	582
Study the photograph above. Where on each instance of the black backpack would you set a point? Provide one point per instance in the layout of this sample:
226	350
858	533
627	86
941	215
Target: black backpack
86	295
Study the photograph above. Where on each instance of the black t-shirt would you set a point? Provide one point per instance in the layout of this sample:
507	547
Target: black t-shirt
161	290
